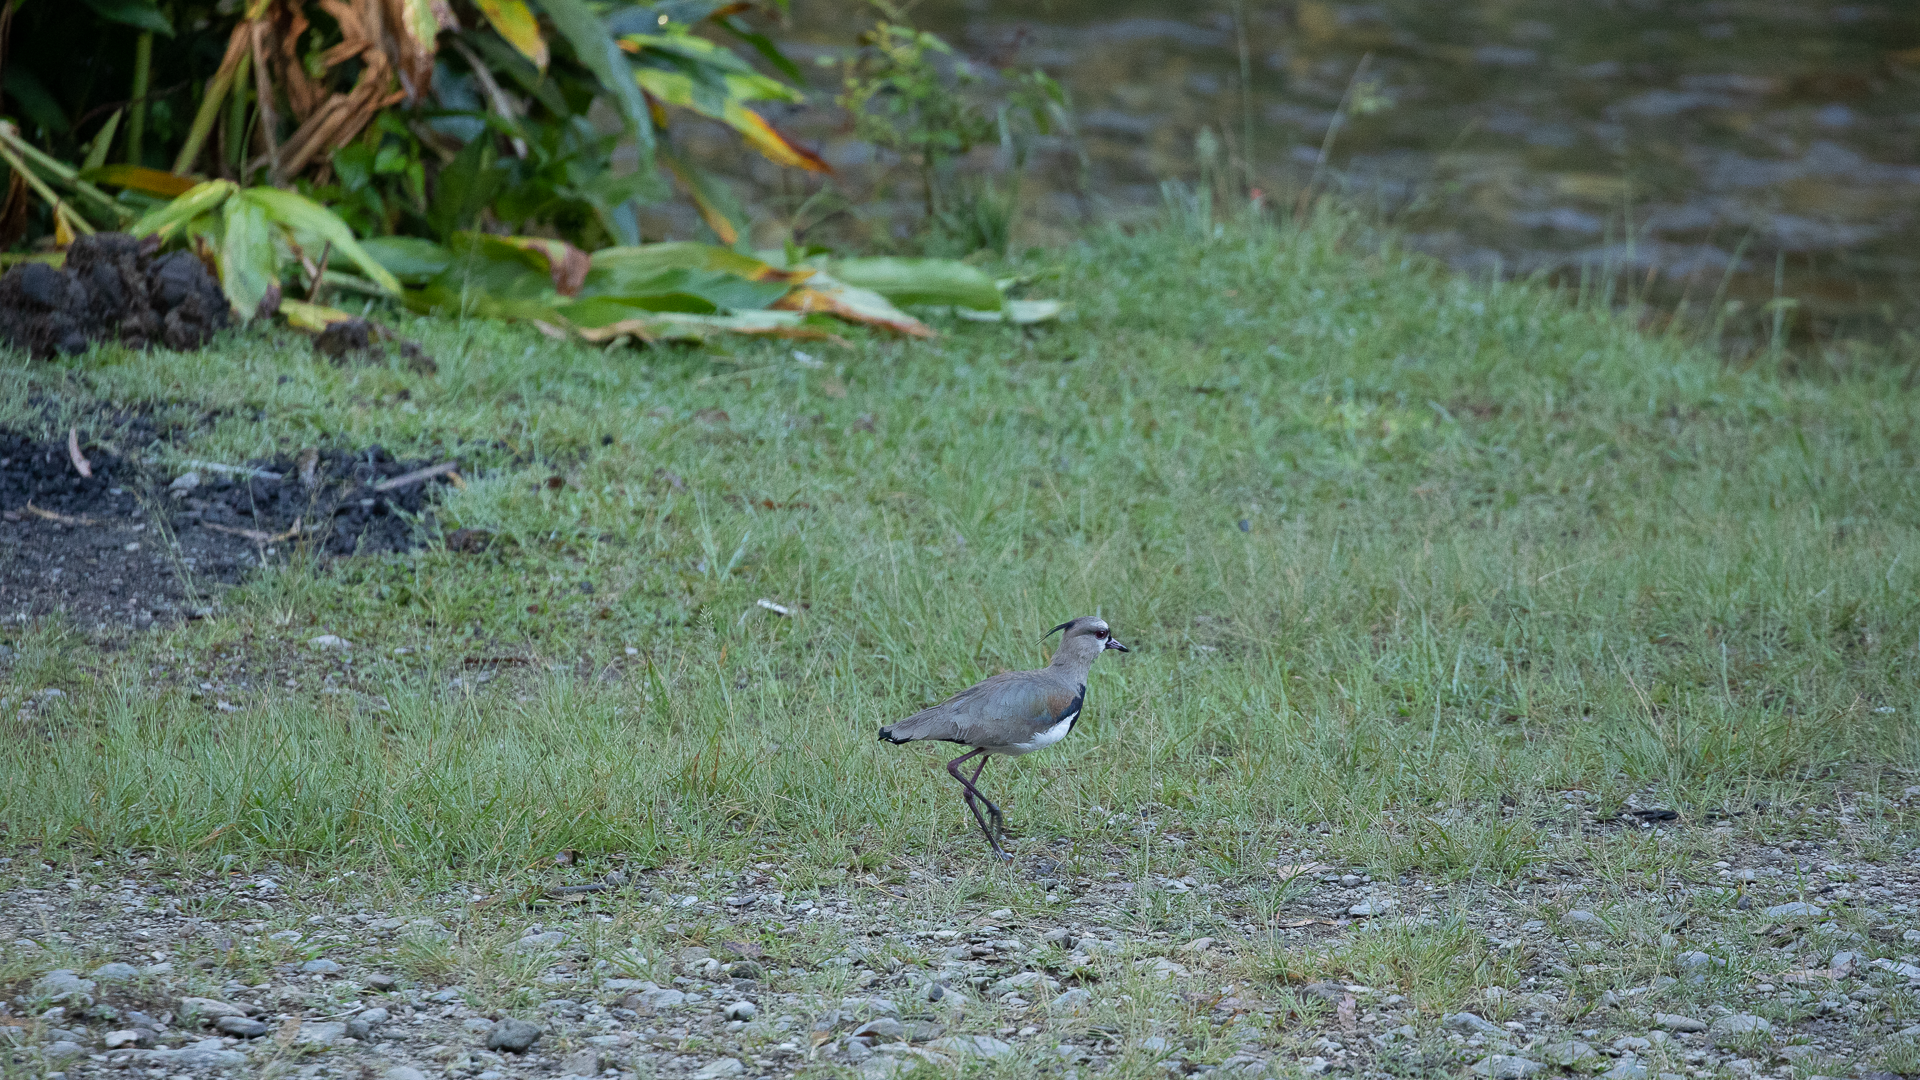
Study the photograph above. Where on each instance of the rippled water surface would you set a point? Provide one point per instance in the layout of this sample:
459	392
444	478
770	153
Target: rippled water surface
1741	149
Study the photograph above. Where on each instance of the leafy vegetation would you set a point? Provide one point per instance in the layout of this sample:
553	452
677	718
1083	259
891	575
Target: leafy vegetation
419	118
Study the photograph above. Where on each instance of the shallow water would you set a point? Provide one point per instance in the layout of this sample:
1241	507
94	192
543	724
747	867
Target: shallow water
1742	149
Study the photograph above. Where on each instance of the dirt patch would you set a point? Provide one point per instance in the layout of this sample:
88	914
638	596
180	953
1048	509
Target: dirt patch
112	288
129	545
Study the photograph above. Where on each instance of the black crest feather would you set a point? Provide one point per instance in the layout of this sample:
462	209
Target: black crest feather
1068	625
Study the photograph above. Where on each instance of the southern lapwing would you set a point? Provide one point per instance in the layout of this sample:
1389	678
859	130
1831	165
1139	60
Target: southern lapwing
1013	713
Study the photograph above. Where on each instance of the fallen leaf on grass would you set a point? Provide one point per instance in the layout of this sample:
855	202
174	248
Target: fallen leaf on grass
1291	924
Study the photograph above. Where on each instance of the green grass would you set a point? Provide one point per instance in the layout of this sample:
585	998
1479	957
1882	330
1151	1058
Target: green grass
1401	557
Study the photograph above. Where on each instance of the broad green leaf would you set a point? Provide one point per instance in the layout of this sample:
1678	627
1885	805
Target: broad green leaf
29	95
514	22
825	295
492	279
672	326
621	271
764	45
921	281
246	255
701	292
303	215
201	199
137	13
711	196
409	259
595	48
1018	312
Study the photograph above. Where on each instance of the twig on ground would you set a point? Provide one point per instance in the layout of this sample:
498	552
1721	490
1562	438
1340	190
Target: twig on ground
80	461
61	518
236	470
445	468
255	534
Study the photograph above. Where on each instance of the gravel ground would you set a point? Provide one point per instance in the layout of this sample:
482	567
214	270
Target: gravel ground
1788	958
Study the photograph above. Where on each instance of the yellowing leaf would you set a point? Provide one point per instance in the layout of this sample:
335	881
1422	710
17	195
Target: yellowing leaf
311	317
772	145
140	178
513	21
829	297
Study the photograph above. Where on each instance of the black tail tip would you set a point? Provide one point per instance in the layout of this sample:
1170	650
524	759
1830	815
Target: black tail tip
886	735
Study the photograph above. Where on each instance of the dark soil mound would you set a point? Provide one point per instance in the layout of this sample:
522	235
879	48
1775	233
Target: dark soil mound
111	289
128	546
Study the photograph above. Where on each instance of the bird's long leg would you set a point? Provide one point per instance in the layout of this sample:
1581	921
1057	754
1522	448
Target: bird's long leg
969	793
999	821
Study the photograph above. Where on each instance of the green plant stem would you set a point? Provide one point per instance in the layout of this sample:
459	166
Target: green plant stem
237	118
142	79
40	187
10	139
215	93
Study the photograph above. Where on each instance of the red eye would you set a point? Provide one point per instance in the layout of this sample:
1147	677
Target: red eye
1100	633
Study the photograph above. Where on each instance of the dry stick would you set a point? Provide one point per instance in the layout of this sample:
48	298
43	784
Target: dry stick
216	92
263	90
80	462
255	534
234	470
60	518
417	475
1326	144
313	293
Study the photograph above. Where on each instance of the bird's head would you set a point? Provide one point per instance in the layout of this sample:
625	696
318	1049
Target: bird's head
1082	639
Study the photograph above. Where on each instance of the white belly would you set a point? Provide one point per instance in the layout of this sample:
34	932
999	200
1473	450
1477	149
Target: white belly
1042	740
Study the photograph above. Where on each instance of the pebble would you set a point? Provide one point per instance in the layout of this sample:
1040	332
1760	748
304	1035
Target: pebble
1367	908
1506	1067
206	1052
581	1063
403	1072
376	1016
1736	1028
1153	1044
1473	1024
1566	1054
1072	1001
116	972
512	1035
477	1024
881	1027
320	1034
117	1039
716	1070
1796	909
330	641
1027	980
321	967
242	1027
742	1010
381	981
1676	1022
985	1046
1625	1070
65	1050
1579	916
210	1008
536	942
663	998
63	987
358	1028
1697	961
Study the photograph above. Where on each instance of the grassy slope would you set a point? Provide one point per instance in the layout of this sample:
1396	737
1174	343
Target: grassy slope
1492	548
